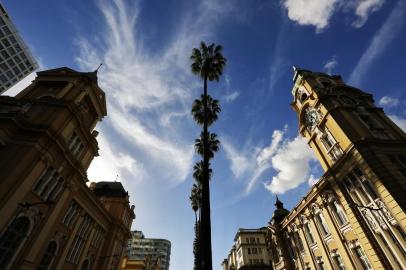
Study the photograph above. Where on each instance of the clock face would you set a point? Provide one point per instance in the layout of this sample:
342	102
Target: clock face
312	117
348	100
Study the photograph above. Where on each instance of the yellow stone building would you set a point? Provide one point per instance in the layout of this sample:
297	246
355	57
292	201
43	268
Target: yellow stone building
354	216
49	217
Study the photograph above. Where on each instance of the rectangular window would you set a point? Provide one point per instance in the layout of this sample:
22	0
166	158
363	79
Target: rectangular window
330	144
71	214
254	251
249	251
49	185
75	145
79	241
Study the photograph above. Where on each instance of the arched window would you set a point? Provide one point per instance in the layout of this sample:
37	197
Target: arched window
307	229
49	256
12	239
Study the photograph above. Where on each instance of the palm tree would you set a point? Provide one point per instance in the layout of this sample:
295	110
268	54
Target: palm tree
208	64
196	202
213	109
196	198
213	144
198	171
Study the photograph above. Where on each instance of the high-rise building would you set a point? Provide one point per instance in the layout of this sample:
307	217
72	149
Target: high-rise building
354	216
249	251
49	217
16	61
151	251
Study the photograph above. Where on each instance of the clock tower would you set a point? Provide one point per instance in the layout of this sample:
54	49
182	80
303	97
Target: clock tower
335	117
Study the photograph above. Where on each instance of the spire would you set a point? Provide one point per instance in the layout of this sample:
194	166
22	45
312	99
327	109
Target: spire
280	213
97	69
278	203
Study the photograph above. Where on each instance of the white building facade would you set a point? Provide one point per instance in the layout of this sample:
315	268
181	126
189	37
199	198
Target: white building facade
16	61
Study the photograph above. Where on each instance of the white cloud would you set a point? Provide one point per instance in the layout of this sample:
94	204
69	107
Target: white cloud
318	13
330	65
310	12
231	96
388	101
146	91
289	158
292	163
366	8
251	162
111	163
400	121
241	161
383	37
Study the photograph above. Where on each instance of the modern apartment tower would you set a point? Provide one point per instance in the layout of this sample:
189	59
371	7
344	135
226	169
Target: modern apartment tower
16	61
354	217
150	250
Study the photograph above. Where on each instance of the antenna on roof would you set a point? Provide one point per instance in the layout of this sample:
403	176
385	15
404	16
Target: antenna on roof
116	178
97	69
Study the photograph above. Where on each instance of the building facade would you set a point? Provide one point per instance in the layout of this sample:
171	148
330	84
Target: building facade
16	61
154	253
249	251
354	216
50	217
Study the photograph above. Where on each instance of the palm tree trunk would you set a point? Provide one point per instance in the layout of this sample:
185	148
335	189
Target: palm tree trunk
205	237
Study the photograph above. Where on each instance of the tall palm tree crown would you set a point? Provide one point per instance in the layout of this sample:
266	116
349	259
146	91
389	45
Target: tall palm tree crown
213	144
208	61
213	109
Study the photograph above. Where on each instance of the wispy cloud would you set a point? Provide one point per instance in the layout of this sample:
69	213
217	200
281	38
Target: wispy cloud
330	65
231	96
147	90
113	163
364	8
381	40
388	101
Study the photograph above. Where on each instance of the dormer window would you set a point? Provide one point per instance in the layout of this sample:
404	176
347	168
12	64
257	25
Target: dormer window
302	95
75	145
325	82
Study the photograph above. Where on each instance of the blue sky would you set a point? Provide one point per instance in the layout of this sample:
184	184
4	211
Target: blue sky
147	137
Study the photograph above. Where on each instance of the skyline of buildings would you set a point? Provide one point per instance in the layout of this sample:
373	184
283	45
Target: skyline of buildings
16	60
